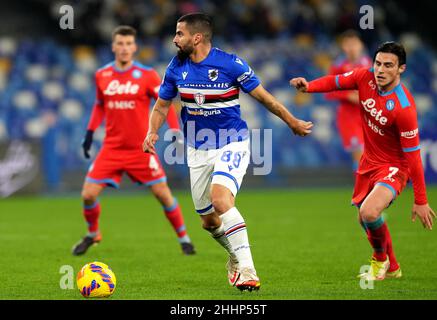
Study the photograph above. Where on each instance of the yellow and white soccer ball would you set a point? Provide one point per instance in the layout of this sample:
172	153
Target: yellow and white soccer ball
96	280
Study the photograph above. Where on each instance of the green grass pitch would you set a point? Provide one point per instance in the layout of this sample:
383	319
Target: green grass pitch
306	244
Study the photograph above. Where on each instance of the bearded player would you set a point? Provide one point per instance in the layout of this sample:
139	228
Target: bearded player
209	82
124	89
391	149
348	111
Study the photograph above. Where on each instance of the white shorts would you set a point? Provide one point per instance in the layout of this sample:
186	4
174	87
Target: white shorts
226	166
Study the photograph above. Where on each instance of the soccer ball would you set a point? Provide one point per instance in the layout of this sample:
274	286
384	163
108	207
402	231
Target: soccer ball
96	280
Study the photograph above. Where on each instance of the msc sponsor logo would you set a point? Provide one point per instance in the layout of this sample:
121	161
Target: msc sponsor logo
115	87
410	134
121	105
203	112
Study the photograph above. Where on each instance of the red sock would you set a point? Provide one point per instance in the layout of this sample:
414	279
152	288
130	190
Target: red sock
174	215
377	235
91	214
391	255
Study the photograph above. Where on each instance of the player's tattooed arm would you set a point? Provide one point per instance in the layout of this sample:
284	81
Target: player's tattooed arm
157	119
299	127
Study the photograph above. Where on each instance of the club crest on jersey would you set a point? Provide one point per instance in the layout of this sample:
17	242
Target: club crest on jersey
213	74
199	98
136	74
390	105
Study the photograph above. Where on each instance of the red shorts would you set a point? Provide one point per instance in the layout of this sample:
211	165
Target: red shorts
350	127
110	164
368	176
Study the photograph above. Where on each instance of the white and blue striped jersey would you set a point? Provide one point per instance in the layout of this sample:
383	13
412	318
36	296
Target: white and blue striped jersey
209	93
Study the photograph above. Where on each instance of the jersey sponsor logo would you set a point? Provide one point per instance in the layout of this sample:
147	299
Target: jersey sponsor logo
221	85
203	112
184	75
369	106
213	74
375	128
390	105
121	105
410	134
115	87
199	98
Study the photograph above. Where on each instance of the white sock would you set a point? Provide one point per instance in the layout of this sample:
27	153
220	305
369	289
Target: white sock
235	231
219	236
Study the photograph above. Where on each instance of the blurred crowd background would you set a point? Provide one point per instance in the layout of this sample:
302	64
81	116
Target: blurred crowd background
47	89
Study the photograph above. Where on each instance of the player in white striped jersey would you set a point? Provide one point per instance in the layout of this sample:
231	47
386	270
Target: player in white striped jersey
208	81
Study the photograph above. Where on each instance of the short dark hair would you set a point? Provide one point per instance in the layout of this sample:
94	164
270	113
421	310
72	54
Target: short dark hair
395	48
124	31
198	23
350	33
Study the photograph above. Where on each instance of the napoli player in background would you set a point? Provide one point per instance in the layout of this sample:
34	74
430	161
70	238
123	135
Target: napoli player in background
124	89
348	111
391	149
208	81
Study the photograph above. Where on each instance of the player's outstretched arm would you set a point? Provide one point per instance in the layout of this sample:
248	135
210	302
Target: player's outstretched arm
158	117
299	127
346	81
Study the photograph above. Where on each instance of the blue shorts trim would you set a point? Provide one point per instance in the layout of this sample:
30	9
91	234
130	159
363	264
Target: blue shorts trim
151	183
389	187
108	182
222	173
204	210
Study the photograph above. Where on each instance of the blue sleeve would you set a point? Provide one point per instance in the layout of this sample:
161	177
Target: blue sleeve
243	74
168	89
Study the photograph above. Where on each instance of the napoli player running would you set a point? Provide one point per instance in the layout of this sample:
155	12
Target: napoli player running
348	111
209	81
124	89
391	149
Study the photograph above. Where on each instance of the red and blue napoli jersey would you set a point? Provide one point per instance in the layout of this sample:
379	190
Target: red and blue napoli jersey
389	118
124	98
209	93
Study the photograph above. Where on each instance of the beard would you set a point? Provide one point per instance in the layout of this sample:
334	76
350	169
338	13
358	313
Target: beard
183	54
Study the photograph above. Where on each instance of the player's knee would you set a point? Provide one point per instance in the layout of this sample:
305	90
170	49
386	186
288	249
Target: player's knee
210	222
221	204
369	214
89	196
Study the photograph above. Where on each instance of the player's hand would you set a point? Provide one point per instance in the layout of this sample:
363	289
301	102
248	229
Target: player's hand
300	84
86	143
301	127
425	213
149	142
